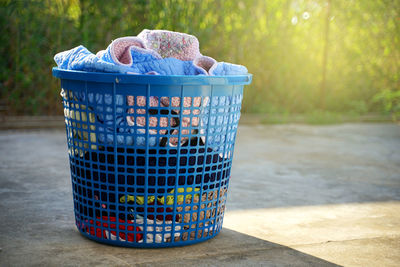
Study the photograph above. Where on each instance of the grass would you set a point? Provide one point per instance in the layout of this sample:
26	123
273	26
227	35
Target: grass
315	118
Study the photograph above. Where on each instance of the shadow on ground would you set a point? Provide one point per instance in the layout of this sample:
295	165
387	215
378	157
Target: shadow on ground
69	248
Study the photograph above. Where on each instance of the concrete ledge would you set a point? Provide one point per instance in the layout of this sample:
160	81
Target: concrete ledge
253	119
31	122
57	122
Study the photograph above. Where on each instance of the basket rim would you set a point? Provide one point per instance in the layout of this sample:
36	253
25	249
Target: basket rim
151	79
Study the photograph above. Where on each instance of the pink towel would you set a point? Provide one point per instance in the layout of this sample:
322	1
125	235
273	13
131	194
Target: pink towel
177	45
159	44
171	44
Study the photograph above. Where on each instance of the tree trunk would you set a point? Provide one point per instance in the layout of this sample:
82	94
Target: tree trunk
325	56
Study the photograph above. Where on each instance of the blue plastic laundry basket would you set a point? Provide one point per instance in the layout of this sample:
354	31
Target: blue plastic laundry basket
150	156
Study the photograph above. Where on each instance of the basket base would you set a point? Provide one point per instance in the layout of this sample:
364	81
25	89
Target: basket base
118	243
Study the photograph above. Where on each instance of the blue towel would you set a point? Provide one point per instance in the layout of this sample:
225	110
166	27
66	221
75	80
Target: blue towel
224	69
80	58
145	63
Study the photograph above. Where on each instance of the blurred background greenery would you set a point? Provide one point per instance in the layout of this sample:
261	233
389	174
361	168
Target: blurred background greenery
326	58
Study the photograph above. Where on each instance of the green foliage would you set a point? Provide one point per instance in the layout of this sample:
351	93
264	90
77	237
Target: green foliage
391	102
281	42
323	117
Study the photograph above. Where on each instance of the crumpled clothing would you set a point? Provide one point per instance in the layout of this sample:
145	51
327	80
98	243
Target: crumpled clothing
77	115
135	226
195	114
222	115
92	167
157	227
156	232
162	158
110	222
224	68
80	58
134	229
219	107
161	200
152	52
131	53
100	109
150	237
185	121
171	44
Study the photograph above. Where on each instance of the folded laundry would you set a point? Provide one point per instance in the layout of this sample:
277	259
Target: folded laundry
151	52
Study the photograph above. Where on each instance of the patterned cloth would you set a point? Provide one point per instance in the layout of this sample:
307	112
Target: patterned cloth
165	102
171	44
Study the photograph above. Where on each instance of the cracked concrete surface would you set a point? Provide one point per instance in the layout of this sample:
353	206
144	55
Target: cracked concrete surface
299	195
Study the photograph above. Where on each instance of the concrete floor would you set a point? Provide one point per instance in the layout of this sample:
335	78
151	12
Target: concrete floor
299	195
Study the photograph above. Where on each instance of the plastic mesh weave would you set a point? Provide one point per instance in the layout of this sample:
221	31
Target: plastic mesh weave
150	164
